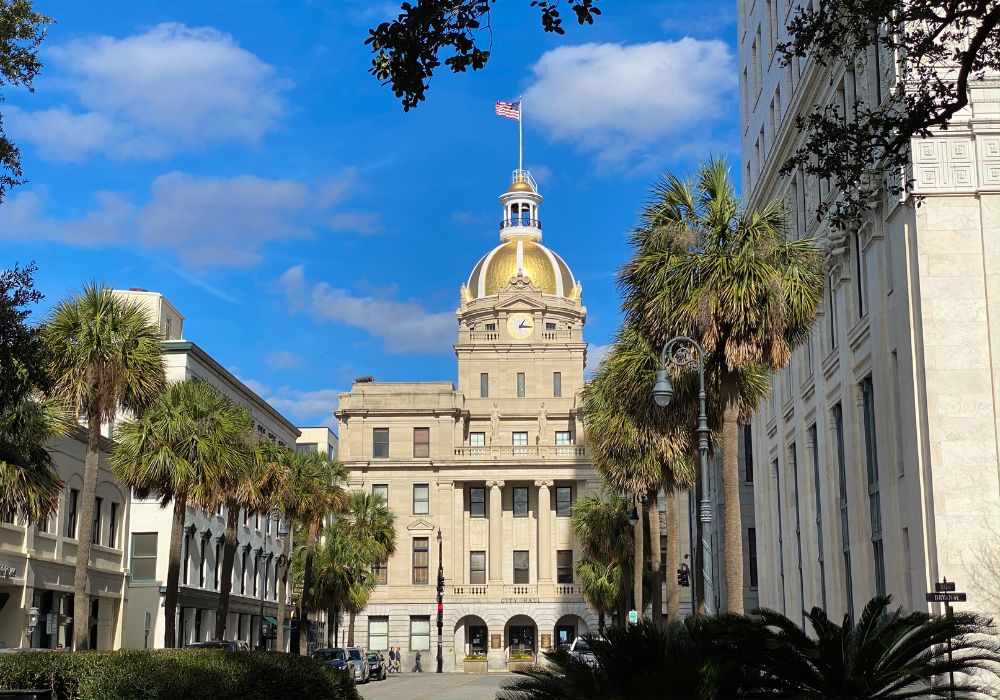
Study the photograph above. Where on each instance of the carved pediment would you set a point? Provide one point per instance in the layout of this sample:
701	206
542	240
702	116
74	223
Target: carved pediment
420	525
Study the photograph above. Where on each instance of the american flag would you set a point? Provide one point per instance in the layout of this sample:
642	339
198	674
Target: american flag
511	110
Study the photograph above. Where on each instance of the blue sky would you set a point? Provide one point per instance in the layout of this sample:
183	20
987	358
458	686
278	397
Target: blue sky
239	158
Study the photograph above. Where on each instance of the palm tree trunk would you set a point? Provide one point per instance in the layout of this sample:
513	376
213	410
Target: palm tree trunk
229	547
600	622
174	572
336	625
656	602
637	565
307	577
350	630
732	518
85	533
282	592
673	558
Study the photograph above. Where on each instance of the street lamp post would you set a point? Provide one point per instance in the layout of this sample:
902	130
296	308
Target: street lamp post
682	352
440	595
274	514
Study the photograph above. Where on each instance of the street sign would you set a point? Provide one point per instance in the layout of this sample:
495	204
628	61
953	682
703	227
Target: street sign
945	597
633	617
944	587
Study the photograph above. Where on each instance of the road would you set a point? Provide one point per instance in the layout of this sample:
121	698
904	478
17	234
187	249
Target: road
433	686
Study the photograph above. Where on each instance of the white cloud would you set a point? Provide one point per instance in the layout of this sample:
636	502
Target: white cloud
148	95
595	353
404	326
284	359
303	407
622	99
205	221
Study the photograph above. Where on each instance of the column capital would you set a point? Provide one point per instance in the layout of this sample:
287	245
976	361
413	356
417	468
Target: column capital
544	483
495	484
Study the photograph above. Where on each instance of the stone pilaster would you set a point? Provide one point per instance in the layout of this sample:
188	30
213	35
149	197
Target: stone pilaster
496	532
544	532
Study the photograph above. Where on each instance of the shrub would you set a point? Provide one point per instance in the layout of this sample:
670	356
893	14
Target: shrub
174	674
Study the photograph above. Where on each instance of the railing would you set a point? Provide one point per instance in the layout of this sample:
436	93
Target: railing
563	334
521	451
519	590
470	591
521	221
484	335
565	589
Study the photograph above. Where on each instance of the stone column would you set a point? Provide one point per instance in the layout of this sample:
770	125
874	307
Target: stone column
459	559
545	554
496	532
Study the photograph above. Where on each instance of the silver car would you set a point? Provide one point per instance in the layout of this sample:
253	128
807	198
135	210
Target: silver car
581	651
361	672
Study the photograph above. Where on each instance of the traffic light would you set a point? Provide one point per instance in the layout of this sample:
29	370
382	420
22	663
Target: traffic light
683	576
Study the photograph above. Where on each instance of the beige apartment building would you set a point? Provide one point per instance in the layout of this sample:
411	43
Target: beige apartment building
877	450
486	472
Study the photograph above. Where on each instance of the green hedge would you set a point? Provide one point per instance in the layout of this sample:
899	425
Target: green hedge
174	674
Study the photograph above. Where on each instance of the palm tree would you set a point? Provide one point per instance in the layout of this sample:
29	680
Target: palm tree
309	491
886	654
600	523
601	585
104	354
252	489
371	525
732	279
182	449
29	485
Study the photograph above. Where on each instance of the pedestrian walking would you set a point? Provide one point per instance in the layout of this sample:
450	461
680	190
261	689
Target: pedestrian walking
392	659
416	665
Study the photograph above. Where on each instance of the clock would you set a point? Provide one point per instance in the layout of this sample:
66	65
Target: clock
520	325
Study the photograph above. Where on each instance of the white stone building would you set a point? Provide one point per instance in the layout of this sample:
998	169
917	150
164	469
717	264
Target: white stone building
255	569
877	451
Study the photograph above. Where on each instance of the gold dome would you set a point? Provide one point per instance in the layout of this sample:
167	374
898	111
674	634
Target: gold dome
521	185
546	270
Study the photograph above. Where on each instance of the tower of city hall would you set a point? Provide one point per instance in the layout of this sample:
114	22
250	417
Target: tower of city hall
493	464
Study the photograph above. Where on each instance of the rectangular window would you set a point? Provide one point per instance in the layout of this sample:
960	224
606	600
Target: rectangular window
42	525
186	560
794	460
243	569
478	442
420	633
564	501
143	562
306	447
381	491
421	499
71	514
113	526
218	565
477	567
421	559
557	384
520	385
490	327
520	442
520	501
868	405
897	422
818	508
832	311
484	385
838	427
95	535
859	273
380	443
477	502
748	454
521	566
421	442
564	566
564	439
378	633
550	326
752	555
202	569
381	571
780	536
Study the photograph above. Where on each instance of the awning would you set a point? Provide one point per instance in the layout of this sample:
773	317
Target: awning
274	621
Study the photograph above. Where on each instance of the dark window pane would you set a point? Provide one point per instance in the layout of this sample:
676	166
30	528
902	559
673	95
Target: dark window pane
557	384
521	567
421	442
564	501
380	442
421	499
477	567
477	502
520	501
564	566
421	559
484	385
520	385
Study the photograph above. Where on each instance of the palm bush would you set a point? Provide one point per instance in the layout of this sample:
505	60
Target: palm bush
29	484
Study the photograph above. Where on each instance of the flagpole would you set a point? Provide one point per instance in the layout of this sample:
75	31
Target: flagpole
520	138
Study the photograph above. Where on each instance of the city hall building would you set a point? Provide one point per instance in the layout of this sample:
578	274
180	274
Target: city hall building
485	473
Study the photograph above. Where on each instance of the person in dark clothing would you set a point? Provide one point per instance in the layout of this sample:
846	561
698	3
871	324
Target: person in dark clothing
416	665
392	659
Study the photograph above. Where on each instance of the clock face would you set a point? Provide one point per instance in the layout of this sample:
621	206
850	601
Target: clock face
520	325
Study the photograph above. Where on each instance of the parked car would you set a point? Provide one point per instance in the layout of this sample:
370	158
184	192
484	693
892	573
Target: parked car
581	650
377	670
224	644
336	658
361	673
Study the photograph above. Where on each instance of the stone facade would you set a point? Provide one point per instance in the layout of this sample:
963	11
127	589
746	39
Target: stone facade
877	450
492	465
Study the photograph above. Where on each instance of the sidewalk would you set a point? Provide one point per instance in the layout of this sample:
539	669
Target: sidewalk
434	686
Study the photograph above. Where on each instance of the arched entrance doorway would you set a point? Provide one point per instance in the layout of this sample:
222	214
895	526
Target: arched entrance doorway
568	628
472	636
521	637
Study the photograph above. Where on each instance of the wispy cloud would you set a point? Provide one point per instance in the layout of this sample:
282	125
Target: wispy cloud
284	359
595	354
313	407
404	326
172	88
625	101
205	221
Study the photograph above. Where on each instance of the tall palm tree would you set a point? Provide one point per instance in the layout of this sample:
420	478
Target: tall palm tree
731	278
309	491
182	450
29	485
367	521
600	523
250	487
104	355
601	585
